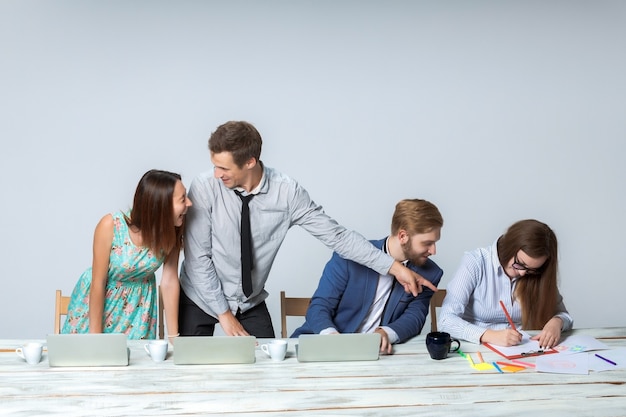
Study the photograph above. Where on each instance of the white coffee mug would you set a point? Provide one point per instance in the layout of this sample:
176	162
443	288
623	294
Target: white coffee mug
156	349
30	352
276	349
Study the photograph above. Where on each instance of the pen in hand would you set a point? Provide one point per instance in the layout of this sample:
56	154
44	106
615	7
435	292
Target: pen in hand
510	320
508	317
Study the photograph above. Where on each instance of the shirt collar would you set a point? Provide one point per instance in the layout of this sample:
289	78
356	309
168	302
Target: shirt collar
256	189
494	258
386	250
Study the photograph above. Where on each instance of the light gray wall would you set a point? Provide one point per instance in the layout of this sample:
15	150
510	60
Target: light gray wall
494	110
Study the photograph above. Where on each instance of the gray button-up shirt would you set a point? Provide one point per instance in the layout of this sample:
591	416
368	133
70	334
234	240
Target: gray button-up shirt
211	271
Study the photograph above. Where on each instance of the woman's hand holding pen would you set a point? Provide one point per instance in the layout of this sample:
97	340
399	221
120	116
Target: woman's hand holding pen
509	336
506	337
551	333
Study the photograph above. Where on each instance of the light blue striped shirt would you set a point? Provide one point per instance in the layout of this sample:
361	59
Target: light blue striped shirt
211	271
472	302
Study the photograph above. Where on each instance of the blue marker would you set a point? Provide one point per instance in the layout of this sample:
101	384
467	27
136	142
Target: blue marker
605	359
495	365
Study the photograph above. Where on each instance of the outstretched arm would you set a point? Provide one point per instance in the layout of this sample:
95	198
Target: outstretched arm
102	242
410	280
350	244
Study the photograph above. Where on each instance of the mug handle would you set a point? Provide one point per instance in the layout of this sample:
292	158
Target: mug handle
20	353
265	348
145	347
458	345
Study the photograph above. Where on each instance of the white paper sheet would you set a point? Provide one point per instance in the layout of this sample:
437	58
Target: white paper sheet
563	363
579	343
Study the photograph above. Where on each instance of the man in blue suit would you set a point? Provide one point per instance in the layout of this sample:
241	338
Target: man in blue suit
352	298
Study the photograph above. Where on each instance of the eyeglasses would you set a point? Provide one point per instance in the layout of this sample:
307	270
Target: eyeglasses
521	267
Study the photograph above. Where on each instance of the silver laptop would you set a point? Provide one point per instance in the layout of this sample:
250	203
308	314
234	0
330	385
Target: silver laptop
103	349
210	350
338	347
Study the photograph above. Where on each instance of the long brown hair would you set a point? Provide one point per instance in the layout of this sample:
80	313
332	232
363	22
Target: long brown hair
153	212
537	293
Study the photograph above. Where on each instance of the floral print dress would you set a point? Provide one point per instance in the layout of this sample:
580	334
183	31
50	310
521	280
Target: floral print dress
130	296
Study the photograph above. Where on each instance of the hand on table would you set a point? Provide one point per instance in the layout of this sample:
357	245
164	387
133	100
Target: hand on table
551	333
386	348
230	325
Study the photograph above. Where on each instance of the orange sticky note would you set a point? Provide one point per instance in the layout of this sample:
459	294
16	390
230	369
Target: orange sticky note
511	368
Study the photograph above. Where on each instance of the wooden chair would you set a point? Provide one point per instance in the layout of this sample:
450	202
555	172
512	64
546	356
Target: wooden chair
291	306
435	301
62	301
60	309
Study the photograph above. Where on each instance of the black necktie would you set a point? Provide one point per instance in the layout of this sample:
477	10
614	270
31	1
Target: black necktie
246	245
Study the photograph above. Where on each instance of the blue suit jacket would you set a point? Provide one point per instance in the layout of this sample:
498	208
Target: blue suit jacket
347	290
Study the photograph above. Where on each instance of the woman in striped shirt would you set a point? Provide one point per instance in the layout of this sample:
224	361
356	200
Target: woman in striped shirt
519	269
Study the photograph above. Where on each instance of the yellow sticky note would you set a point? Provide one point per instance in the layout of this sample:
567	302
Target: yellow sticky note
483	366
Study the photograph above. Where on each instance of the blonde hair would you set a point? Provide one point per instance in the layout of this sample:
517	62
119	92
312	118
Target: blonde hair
415	216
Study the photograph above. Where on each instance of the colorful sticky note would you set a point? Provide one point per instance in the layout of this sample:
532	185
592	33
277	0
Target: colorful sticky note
511	368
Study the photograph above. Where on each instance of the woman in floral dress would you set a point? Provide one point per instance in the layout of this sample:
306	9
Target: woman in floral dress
118	293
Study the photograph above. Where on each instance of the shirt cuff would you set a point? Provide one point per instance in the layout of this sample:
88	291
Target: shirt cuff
391	334
329	330
566	320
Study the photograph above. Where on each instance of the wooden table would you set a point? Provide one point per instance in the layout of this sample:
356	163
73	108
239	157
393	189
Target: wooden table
407	383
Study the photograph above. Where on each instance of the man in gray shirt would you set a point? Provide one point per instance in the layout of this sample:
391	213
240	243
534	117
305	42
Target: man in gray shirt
211	273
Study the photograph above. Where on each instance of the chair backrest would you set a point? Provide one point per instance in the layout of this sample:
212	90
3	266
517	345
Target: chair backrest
291	306
435	301
160	308
60	309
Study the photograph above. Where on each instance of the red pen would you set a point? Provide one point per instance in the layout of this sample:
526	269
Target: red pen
508	317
